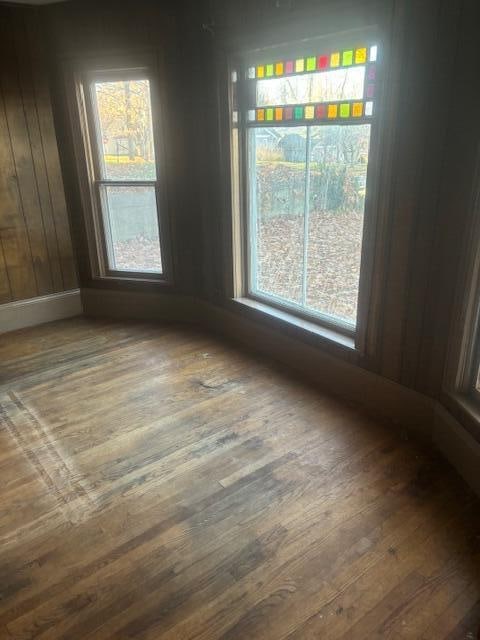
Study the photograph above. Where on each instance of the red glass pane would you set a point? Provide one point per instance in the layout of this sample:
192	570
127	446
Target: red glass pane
288	113
289	66
320	111
322	62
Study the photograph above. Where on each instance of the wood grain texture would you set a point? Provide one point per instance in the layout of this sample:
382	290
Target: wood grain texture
158	482
37	255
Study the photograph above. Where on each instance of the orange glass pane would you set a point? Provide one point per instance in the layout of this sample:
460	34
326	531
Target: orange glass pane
279	113
279	69
357	109
332	110
260	114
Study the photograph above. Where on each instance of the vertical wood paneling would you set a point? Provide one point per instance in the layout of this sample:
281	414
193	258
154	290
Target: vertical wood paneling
37	256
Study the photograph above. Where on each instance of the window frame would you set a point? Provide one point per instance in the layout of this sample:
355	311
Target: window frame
91	180
241	226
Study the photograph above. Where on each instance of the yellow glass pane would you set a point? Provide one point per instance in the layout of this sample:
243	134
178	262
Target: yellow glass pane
361	55
357	109
279	113
335	60
332	110
299	65
279	69
260	114
309	112
261	72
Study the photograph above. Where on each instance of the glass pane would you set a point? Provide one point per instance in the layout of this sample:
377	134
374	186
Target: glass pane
277	192
338	176
131	224
340	84
124	117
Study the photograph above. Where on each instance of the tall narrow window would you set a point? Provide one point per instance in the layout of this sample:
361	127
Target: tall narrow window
125	172
307	137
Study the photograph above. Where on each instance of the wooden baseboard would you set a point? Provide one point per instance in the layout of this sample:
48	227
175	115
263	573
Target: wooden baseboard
27	313
457	445
138	305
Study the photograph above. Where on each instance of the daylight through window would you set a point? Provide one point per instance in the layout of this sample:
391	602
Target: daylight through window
308	135
127	179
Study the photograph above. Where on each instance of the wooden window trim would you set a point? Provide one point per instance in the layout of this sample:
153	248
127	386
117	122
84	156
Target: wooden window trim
78	77
374	248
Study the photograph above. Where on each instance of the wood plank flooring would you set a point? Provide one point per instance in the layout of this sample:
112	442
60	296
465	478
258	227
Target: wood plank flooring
159	483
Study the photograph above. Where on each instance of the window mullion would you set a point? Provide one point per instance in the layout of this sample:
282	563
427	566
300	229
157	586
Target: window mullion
306	215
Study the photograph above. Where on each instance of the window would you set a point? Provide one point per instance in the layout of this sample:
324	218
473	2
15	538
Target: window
124	173
307	124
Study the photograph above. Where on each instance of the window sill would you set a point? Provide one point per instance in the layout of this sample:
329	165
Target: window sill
301	328
465	410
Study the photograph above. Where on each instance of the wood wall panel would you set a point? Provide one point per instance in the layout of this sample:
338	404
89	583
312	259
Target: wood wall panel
37	256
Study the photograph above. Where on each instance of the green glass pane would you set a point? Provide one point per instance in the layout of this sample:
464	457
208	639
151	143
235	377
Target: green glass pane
298	113
269	113
269	70
344	110
347	58
311	64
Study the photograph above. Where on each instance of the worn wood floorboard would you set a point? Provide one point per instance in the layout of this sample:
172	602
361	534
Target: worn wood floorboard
157	482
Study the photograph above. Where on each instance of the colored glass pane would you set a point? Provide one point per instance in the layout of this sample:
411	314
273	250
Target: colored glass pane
309	112
261	71
322	62
289	66
251	73
279	68
269	114
288	113
332	110
361	55
299	65
370	90
311	64
345	110
373	53
335	60
320	111
298	113
260	115
269	70
278	113
347	58
357	109
368	108
371	73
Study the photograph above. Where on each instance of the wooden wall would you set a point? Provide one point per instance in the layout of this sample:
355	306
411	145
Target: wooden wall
36	256
433	153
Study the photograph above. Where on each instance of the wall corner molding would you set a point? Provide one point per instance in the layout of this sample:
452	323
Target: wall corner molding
33	311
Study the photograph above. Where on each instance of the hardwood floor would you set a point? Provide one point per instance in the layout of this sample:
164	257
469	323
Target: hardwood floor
157	482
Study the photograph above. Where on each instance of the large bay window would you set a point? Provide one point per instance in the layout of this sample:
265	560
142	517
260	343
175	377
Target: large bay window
305	123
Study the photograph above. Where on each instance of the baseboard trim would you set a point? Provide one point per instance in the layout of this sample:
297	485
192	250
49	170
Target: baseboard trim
28	313
138	305
457	445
